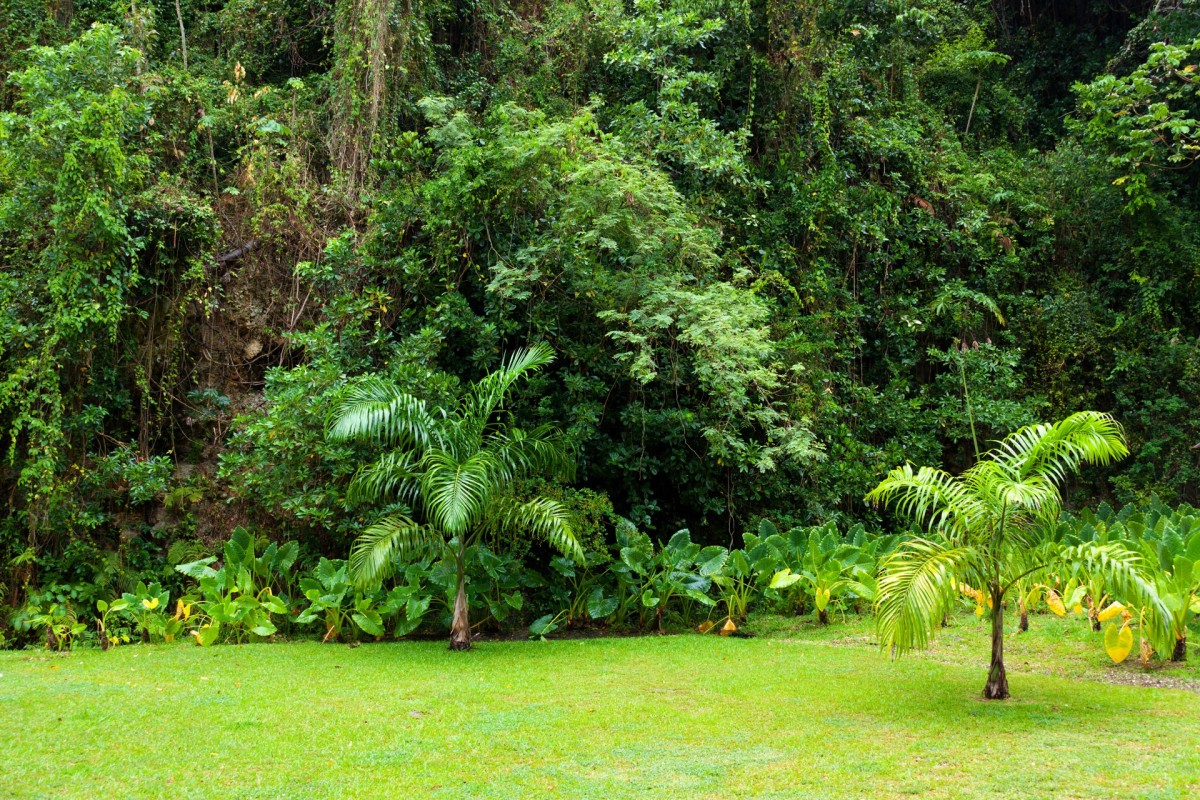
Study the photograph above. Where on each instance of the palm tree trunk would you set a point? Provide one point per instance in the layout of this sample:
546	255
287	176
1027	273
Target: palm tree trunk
997	683
1024	625
1180	653
460	626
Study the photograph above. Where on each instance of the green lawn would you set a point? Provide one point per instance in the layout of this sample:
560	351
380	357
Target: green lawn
781	716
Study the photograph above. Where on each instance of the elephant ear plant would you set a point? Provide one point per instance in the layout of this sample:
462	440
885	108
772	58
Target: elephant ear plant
456	468
986	528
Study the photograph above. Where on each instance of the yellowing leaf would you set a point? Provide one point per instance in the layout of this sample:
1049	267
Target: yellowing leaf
728	627
822	599
1118	642
706	626
1055	603
1108	613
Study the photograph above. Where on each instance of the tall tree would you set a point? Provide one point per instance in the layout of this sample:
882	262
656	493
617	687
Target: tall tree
987	531
456	468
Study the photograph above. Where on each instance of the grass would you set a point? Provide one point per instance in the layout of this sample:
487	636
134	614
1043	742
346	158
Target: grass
817	715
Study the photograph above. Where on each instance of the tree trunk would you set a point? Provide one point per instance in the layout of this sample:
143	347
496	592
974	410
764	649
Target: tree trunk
460	628
103	635
823	616
1180	653
997	683
1024	626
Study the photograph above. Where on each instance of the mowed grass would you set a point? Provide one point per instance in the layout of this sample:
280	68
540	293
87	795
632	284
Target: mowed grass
781	716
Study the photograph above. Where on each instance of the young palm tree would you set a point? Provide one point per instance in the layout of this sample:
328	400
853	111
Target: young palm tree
988	529
456	468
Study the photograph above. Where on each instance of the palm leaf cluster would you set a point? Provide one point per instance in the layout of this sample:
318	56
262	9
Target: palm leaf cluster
454	467
990	527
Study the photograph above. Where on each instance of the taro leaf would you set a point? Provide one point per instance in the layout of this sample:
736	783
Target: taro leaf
515	599
327	572
1118	642
207	634
263	627
784	578
599	606
563	566
369	621
1055	603
286	557
274	605
737	564
699	597
711	560
405	626
543	625
681	540
198	569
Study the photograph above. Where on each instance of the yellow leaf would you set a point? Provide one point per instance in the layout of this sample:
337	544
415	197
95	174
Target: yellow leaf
728	627
1108	613
1055	603
706	626
1118	642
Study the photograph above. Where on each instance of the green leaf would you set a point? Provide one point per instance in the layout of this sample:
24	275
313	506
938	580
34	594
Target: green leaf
711	560
599	606
208	634
785	578
543	625
369	621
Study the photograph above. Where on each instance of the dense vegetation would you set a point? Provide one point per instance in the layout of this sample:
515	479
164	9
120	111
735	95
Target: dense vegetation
777	247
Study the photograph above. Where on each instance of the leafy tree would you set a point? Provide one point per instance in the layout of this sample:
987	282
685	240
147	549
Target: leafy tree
458	468
68	164
987	531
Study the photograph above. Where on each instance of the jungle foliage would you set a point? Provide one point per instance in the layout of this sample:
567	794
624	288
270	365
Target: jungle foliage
777	246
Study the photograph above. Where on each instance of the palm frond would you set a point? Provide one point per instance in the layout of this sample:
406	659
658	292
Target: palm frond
455	494
545	518
1006	491
392	476
916	589
1124	571
488	393
376	410
931	497
373	556
1055	451
541	451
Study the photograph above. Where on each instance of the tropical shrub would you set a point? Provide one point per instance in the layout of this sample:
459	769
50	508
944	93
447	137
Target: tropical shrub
237	600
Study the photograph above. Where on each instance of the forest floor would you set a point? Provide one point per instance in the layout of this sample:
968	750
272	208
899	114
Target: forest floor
796	712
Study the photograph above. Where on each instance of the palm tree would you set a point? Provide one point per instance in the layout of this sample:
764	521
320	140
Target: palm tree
457	468
988	531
